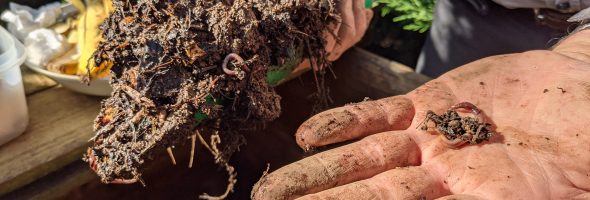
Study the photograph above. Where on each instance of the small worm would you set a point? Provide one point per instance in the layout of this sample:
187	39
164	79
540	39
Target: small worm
229	57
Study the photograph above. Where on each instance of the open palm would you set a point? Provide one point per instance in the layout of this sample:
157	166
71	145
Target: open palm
539	102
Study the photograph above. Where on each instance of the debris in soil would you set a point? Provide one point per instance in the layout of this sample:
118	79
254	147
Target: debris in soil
185	68
457	129
562	90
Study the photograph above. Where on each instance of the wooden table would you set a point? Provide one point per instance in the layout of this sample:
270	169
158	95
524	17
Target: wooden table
45	162
59	127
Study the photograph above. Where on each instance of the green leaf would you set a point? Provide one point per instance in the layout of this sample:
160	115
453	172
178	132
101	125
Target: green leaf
368	3
414	15
200	116
385	11
276	74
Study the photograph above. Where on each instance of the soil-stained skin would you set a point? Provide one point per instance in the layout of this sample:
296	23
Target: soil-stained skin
168	78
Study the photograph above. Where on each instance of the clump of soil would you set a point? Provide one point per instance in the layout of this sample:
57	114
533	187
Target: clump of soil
459	129
168	79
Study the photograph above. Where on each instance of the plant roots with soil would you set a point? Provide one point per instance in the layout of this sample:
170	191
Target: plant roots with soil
191	70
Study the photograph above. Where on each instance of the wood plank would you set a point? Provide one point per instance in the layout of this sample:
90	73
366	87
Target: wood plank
359	74
71	176
373	76
35	82
59	128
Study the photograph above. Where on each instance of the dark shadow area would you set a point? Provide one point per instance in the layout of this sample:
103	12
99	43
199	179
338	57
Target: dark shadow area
388	39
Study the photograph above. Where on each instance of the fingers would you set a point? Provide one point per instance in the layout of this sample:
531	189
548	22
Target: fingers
355	21
347	29
331	35
461	197
361	20
368	18
363	159
355	120
399	183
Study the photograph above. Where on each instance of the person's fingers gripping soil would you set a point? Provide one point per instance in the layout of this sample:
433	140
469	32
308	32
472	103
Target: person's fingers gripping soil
360	160
355	21
331	35
346	31
361	19
368	14
398	183
355	120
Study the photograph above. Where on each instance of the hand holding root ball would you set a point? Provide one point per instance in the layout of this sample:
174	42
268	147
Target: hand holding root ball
150	110
353	21
537	104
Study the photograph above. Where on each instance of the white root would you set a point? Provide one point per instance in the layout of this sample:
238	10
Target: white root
193	141
169	150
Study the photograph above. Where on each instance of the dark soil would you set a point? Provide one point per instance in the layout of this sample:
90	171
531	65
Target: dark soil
168	80
453	126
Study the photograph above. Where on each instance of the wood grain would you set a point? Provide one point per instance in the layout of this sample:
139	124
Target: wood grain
35	82
59	128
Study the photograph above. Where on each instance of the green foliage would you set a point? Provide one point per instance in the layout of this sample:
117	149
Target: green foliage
415	14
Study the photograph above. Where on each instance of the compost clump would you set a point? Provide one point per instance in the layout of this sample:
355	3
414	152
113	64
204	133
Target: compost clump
196	69
458	130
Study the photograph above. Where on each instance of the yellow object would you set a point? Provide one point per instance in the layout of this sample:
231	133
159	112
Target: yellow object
108	6
92	14
70	68
65	64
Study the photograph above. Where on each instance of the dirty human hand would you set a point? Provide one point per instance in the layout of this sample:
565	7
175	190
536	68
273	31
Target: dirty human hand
539	102
354	21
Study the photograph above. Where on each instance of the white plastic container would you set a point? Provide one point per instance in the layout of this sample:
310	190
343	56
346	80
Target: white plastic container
14	116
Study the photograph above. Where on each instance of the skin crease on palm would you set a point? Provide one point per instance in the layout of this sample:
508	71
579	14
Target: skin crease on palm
539	102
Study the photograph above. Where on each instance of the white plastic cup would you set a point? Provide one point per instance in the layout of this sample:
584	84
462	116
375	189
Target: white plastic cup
14	116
